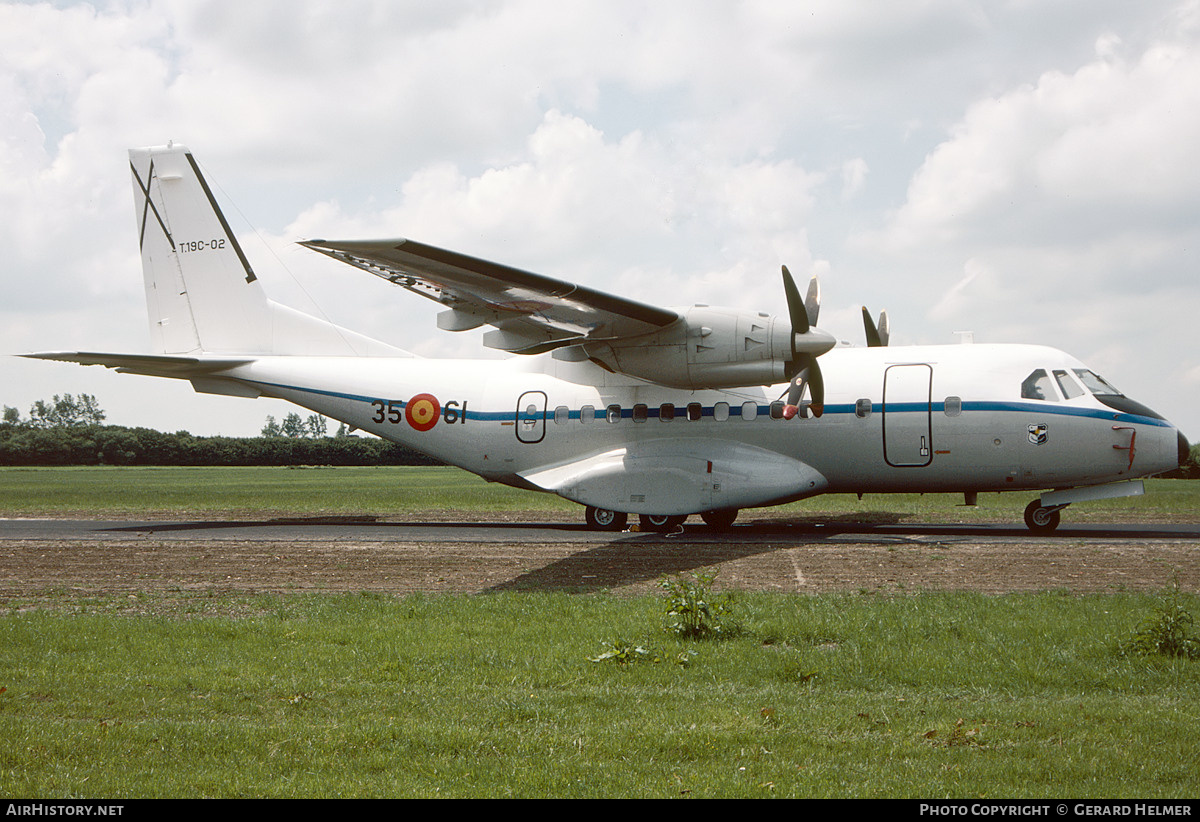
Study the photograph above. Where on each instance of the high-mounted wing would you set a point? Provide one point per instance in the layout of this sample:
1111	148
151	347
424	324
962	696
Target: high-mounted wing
701	347
531	313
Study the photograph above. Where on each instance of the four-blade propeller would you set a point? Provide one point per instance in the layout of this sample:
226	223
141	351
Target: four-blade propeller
808	343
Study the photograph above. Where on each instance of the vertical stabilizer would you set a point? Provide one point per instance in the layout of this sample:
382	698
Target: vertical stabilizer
201	292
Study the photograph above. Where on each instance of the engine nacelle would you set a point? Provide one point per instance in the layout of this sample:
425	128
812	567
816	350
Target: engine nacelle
710	348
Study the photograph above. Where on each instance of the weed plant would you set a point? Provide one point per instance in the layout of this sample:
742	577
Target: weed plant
694	610
1167	631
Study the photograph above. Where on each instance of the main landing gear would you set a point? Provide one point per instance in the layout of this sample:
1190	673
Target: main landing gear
602	519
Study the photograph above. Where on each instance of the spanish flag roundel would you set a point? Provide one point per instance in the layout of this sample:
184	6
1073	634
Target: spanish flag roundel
422	412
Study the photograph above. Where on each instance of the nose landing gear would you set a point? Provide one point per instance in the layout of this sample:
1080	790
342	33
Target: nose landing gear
1041	518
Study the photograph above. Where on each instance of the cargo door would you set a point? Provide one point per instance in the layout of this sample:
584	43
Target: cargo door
907	415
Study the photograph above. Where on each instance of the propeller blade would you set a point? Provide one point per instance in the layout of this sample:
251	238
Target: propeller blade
877	335
810	376
873	338
797	312
816	389
812	303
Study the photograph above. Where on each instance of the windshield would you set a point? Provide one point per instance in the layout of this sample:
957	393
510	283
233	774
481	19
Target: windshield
1095	383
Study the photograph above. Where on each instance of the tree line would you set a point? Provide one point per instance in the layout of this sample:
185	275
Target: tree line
69	430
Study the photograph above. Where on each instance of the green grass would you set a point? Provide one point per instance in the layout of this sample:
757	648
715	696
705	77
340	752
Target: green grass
930	695
423	492
222	491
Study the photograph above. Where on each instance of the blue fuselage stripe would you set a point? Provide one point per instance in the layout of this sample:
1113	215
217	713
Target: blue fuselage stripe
763	411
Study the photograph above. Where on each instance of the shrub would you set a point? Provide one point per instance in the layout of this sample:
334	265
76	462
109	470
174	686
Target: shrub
1167	632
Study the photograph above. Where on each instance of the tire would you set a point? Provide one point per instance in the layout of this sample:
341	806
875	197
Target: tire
602	519
1041	520
660	522
720	520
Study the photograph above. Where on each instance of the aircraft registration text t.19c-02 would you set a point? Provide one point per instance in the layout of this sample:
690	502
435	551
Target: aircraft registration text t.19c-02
629	408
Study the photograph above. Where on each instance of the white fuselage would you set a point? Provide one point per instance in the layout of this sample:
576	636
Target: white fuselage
897	419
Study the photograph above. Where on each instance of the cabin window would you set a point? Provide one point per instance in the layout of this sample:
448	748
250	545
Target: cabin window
561	415
777	410
862	408
1070	389
1037	386
721	411
666	412
695	411
640	412
749	410
614	413
587	413
953	406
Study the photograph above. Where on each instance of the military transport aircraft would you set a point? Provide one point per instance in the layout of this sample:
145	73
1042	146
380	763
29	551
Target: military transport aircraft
629	408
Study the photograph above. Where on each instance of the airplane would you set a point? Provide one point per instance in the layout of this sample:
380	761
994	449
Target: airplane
628	408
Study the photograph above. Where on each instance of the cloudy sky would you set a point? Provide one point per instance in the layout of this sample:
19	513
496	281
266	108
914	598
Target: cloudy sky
1024	170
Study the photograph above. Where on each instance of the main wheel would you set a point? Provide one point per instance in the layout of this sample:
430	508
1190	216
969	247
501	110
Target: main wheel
660	522
720	520
602	519
1041	519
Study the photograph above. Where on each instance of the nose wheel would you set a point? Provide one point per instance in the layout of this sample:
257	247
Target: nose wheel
1042	519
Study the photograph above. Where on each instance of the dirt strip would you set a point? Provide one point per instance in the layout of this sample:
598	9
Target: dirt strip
30	569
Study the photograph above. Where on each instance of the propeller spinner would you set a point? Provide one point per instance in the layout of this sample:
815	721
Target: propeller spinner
808	343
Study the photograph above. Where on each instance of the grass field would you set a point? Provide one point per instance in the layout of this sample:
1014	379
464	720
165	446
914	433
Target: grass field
362	695
957	695
392	491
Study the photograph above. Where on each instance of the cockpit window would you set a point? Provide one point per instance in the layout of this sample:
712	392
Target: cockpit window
1037	386
1095	383
1070	389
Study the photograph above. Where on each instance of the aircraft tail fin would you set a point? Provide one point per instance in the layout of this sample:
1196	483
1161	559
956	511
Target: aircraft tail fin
201	292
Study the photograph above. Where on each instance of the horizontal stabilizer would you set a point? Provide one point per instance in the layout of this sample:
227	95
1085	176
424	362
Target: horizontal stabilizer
151	365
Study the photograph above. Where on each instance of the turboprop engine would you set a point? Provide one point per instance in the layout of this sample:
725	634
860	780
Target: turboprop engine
724	348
